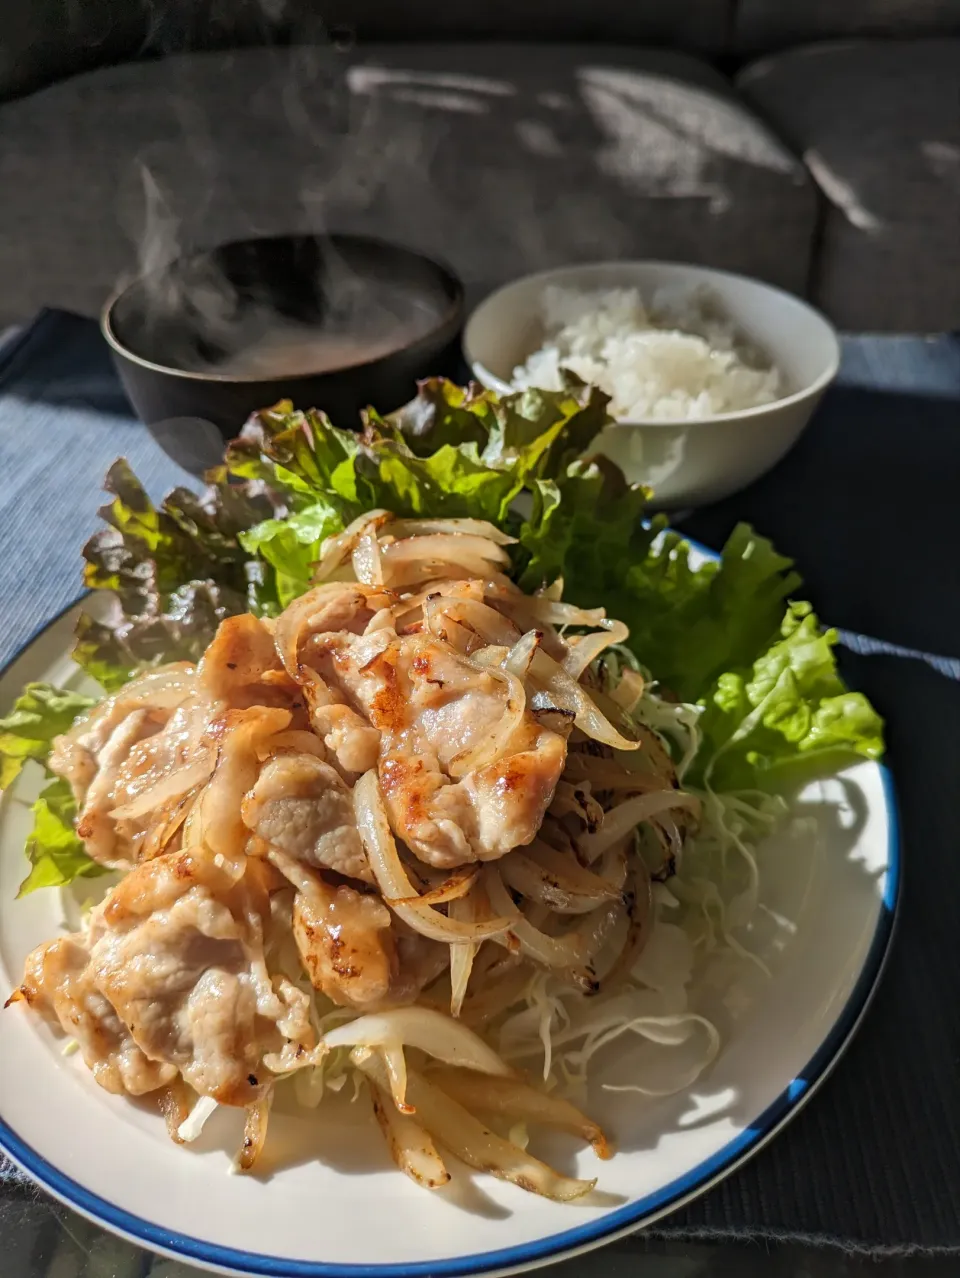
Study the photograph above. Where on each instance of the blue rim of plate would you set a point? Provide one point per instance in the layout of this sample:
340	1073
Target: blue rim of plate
643	1211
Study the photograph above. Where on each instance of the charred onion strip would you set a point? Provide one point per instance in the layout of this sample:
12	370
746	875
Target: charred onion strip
172	786
423	1028
396	1065
568	695
174	1104
495	996
458	1131
640	915
573	951
255	1131
557	879
584	649
569	799
455	527
451	889
464	910
411	1148
618	823
337	550
392	878
512	1098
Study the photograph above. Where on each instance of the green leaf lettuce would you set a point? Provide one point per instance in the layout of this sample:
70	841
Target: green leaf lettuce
39	714
56	854
711	633
788	707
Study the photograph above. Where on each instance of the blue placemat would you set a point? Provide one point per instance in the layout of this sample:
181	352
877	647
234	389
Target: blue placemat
63	420
867	504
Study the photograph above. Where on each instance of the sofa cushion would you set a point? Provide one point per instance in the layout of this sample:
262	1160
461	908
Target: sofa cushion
502	159
762	25
879	128
688	24
47	40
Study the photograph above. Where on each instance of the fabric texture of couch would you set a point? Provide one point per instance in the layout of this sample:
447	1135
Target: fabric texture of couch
831	169
45	40
761	25
878	125
501	159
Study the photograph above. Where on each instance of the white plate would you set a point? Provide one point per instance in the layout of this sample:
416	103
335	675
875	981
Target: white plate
332	1206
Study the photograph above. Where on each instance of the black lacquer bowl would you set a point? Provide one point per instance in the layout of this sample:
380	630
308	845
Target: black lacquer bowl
384	316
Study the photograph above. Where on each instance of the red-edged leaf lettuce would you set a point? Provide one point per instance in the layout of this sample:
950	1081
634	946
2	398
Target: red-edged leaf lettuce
455	452
716	634
451	453
174	572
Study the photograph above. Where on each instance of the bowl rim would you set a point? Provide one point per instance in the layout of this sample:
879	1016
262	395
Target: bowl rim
448	323
757	412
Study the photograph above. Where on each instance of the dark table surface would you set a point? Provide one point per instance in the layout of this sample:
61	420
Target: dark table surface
867	504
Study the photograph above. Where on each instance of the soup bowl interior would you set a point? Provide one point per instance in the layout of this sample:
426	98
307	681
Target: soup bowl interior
335	322
205	310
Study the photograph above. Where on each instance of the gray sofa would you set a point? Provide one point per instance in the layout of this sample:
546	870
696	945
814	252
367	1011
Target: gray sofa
501	135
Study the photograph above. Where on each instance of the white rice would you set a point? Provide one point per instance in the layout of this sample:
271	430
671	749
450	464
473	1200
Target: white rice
676	357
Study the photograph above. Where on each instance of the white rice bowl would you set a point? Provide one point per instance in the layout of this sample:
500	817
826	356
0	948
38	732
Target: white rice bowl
674	358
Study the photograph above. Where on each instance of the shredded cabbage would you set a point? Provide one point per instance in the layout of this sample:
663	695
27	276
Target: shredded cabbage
738	691
701	911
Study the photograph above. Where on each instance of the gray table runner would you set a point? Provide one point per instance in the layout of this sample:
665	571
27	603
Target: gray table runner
867	503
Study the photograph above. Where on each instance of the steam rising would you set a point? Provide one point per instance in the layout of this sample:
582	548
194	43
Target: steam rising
199	310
